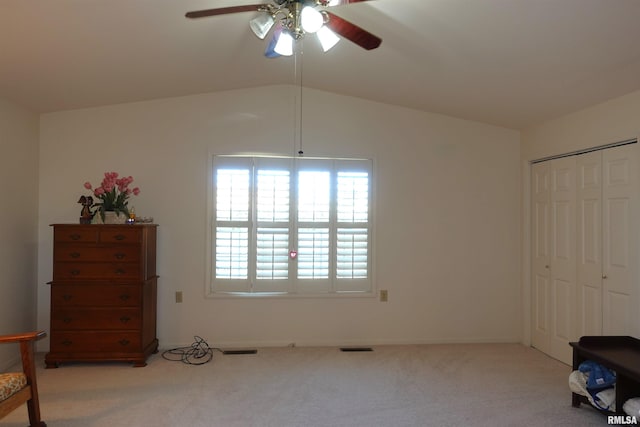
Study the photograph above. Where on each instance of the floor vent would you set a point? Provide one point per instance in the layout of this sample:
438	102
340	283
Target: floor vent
249	351
355	349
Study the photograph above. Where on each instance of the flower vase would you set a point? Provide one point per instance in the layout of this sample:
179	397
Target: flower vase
112	217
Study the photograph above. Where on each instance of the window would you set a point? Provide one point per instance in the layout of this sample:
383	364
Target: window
290	226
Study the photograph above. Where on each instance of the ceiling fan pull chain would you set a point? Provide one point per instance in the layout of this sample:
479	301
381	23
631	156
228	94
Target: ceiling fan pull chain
300	52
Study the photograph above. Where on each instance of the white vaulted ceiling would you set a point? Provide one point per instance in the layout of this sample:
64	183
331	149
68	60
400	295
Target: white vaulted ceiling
511	63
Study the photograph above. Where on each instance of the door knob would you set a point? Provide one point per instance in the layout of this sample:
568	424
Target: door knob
604	276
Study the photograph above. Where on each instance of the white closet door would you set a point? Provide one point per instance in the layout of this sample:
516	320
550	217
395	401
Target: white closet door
620	241
540	190
554	257
589	243
585	254
562	258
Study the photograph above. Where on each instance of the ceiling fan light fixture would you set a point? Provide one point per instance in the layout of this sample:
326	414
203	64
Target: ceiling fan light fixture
261	25
284	45
328	38
311	19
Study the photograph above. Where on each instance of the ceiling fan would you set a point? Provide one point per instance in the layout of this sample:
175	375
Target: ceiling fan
293	19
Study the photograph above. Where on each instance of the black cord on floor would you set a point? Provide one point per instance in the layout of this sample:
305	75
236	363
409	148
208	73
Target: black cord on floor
197	353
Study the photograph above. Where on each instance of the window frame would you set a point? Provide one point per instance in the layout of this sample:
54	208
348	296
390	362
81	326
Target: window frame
293	286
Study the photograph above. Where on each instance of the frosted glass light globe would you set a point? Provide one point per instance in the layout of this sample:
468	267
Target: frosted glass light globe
311	19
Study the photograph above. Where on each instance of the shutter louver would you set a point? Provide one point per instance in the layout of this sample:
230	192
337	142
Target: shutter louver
352	253
353	197
273	196
314	196
313	253
232	195
272	257
232	252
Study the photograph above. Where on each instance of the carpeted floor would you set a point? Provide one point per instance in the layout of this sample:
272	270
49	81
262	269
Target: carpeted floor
417	385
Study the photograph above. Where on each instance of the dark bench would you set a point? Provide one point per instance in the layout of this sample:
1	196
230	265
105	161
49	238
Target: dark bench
618	353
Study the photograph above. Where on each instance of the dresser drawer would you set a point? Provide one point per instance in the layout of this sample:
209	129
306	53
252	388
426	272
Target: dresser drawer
98	342
78	234
122	235
95	295
95	319
71	252
96	270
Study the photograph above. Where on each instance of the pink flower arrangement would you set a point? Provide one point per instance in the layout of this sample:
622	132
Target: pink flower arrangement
114	193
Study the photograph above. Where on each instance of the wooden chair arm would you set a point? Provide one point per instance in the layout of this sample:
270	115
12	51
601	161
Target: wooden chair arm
27	336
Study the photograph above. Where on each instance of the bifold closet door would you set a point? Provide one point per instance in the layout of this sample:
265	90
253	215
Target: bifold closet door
620	217
607	241
589	243
540	278
554	256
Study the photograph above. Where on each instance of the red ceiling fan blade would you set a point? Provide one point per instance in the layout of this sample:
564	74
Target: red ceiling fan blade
352	32
224	10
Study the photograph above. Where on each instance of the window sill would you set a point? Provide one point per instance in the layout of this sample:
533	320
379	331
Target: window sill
285	295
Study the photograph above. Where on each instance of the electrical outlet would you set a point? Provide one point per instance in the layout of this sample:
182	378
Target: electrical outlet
178	296
384	295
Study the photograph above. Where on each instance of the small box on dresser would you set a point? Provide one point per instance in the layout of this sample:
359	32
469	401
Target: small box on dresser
103	294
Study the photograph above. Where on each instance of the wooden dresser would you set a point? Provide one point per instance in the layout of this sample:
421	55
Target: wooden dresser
103	293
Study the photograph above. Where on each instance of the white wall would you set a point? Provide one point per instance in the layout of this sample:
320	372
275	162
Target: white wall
612	121
18	223
446	223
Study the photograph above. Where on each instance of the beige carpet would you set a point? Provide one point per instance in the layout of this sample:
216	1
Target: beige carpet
422	385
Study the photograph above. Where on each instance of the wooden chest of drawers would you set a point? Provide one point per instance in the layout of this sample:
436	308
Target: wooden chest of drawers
103	293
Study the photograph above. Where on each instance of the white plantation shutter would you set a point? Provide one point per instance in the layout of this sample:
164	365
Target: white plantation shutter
272	253
231	224
352	253
232	201
272	219
353	211
314	196
313	253
266	209
314	201
232	252
353	197
273	195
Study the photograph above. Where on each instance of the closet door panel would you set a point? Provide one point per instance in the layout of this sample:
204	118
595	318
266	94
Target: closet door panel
589	243
562	256
540	189
620	240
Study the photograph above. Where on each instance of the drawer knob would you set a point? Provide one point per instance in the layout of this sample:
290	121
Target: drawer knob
119	271
74	255
120	255
75	236
67	343
67	297
124	297
119	237
75	272
67	320
125	319
124	342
